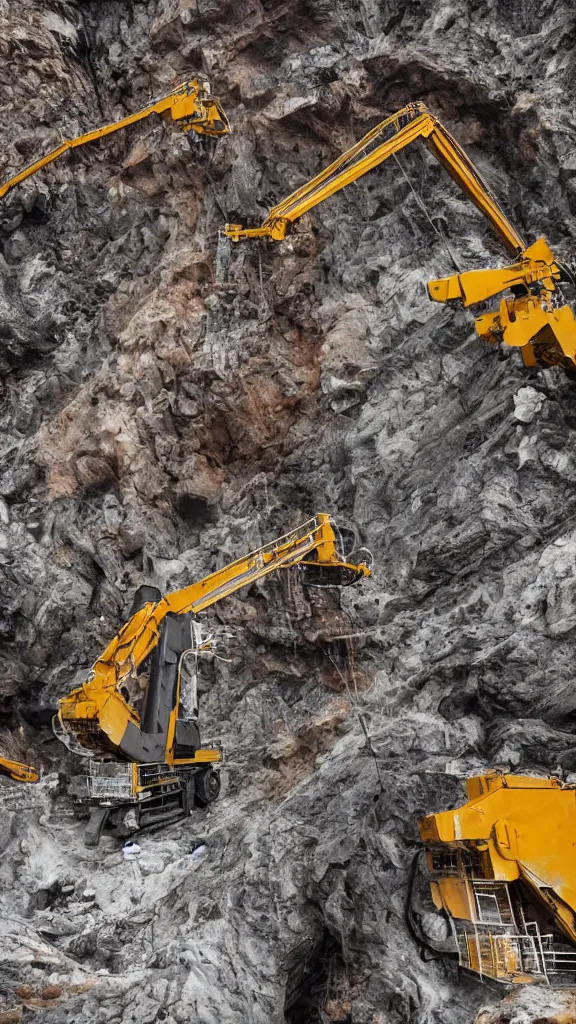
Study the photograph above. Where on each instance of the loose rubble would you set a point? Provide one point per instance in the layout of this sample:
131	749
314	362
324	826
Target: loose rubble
168	401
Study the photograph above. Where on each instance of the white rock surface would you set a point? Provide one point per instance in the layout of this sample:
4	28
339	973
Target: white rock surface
160	416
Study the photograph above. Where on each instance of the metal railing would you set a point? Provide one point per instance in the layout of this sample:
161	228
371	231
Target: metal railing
503	957
119	780
110	780
512	956
155	774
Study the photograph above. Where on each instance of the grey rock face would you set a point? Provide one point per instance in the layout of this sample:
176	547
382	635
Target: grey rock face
169	404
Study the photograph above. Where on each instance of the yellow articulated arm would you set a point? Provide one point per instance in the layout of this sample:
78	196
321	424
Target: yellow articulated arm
98	714
395	133
18	771
535	264
190	105
534	320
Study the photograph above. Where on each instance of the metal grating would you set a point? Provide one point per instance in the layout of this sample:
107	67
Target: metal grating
109	780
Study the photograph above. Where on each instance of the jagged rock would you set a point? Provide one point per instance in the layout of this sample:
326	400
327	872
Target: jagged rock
170	402
534	1003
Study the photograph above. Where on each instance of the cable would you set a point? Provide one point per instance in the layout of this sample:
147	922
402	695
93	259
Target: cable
360	716
415	934
422	206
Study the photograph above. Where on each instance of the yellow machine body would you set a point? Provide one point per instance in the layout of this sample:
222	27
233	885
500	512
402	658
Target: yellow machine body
18	771
98	714
502	869
190	105
156	767
533	320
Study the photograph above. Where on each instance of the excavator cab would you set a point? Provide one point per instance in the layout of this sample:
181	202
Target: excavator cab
169	771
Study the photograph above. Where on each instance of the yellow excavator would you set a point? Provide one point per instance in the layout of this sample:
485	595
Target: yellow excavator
502	872
156	768
17	771
190	105
535	318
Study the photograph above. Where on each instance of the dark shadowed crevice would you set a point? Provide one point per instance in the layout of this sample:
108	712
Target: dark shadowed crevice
195	511
316	984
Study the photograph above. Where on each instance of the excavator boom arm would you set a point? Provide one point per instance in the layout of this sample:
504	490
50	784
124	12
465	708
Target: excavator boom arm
450	154
316	535
532	319
139	635
389	137
315	544
18	771
536	264
191	104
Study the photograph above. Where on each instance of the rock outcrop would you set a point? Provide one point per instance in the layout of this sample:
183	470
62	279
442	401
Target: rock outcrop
170	401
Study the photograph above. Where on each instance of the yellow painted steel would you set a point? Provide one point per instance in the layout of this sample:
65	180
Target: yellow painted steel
536	264
99	700
533	320
204	755
18	771
190	105
396	132
546	335
518	830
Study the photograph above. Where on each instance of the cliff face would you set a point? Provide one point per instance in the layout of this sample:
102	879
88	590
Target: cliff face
169	403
